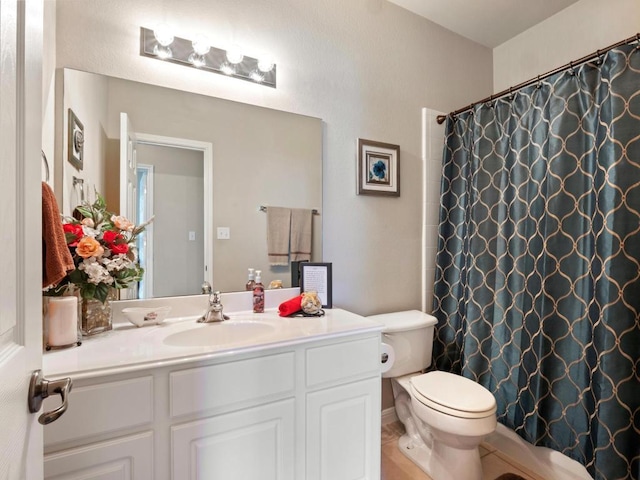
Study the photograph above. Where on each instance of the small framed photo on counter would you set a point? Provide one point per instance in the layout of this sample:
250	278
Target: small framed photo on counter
317	277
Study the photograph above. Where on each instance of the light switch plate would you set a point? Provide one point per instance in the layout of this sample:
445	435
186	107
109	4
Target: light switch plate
224	233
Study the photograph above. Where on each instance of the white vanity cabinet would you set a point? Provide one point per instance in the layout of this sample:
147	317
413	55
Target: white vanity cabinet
306	411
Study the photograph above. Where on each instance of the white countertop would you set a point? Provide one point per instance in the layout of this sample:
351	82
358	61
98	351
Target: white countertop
128	348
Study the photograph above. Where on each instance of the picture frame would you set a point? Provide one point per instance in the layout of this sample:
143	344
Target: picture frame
316	277
75	142
378	168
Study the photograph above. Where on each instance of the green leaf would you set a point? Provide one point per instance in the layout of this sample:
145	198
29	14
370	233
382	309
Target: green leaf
78	277
88	290
102	291
84	210
100	203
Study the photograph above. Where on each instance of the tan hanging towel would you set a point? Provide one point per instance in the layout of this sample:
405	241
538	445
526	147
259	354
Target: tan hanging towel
56	258
301	221
278	232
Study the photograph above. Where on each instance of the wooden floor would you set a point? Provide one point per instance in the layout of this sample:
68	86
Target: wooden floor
396	466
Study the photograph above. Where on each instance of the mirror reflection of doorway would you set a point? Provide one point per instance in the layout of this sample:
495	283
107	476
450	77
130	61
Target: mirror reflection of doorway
170	185
144	242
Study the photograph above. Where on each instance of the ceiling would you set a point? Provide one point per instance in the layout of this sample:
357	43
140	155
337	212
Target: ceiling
488	22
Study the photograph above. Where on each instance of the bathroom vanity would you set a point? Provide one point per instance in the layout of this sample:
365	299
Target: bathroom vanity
256	397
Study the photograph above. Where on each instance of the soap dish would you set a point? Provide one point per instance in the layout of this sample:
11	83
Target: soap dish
140	316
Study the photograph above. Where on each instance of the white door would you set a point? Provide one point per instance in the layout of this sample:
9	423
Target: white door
20	235
128	182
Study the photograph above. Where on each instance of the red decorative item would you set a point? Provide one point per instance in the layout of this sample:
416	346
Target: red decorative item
290	307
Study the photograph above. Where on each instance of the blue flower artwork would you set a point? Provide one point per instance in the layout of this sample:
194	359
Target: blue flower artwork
378	170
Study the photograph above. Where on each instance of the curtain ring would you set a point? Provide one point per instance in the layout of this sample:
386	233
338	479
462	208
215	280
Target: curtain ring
638	41
571	70
598	59
538	84
489	102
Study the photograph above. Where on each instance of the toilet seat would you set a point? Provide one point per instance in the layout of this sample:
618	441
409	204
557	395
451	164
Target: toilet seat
453	395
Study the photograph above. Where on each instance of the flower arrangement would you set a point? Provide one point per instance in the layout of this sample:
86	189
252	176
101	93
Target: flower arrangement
103	247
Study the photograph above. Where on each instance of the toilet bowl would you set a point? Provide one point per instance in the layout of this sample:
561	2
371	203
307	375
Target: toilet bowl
446	416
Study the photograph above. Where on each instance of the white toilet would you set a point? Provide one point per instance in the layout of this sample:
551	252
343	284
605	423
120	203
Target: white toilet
446	416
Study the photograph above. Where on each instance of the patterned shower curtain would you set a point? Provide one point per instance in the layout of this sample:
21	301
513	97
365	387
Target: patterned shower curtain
537	289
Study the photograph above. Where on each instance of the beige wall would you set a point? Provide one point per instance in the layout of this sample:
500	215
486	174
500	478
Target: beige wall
576	31
86	96
178	173
365	67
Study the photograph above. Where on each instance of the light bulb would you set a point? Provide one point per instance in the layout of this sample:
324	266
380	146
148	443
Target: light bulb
197	60
227	68
162	52
256	76
163	34
201	45
265	63
234	55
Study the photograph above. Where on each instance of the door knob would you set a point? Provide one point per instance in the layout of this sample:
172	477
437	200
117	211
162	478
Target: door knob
41	388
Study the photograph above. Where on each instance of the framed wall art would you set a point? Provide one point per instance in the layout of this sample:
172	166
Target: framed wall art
75	141
378	168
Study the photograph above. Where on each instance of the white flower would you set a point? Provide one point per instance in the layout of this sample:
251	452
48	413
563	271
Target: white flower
117	263
88	222
90	232
95	271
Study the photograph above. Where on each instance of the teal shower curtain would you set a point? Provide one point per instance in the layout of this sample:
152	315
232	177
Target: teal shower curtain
537	289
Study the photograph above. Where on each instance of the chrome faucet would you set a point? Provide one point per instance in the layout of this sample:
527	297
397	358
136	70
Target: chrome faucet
214	312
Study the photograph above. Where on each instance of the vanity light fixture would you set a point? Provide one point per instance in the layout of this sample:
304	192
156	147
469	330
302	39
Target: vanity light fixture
160	44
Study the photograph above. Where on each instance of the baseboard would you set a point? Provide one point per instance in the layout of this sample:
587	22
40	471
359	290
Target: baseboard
389	416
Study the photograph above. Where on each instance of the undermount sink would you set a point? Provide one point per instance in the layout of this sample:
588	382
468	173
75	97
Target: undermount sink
221	333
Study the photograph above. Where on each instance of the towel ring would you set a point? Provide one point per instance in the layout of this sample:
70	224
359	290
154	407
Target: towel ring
46	166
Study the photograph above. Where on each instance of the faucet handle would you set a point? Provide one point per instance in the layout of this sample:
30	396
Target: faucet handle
206	287
214	298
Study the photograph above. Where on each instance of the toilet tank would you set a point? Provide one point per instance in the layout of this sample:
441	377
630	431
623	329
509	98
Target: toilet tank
410	334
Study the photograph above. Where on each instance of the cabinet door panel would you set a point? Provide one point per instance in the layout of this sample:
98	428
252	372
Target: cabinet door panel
102	408
342	361
231	384
126	458
343	432
251	444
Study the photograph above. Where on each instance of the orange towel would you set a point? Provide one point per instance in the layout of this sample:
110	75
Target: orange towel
56	258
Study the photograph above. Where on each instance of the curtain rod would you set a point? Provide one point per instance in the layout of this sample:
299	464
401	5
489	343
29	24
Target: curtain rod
441	118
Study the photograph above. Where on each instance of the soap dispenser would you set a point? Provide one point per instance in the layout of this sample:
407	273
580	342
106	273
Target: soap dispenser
258	294
251	282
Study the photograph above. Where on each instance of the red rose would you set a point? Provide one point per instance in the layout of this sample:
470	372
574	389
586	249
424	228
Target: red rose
73	233
110	236
115	241
119	248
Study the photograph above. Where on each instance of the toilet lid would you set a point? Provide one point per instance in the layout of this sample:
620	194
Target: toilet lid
403	321
453	394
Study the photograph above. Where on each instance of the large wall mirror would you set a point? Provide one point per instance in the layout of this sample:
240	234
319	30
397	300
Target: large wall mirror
200	164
